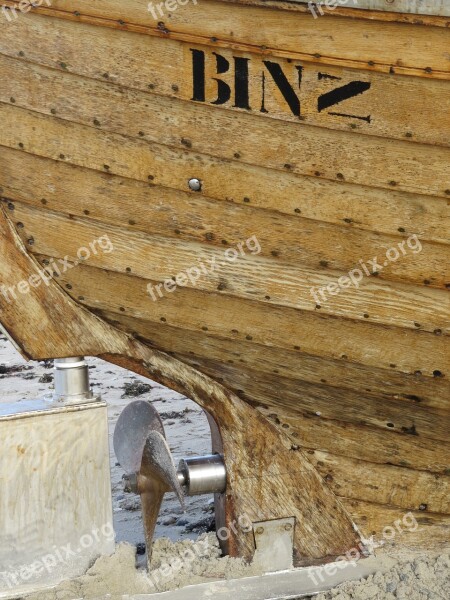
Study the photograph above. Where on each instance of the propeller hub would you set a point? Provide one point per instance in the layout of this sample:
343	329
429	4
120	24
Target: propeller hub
130	483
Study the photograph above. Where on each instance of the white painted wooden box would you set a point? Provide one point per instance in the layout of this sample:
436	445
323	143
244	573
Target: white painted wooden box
55	493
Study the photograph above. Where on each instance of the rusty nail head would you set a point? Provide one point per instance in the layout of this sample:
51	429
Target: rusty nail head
260	530
288	527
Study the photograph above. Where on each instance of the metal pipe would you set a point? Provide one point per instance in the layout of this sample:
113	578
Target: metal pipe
72	380
203	475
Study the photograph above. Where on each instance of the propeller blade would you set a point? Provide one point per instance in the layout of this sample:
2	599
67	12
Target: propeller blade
157	464
137	420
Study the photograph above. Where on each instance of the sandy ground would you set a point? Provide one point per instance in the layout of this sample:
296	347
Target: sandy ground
423	578
419	578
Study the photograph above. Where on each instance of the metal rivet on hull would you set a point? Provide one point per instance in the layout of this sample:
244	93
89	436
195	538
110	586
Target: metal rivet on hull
195	184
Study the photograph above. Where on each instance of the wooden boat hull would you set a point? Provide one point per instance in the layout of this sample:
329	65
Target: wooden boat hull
318	321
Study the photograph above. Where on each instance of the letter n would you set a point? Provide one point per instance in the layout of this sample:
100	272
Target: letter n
284	86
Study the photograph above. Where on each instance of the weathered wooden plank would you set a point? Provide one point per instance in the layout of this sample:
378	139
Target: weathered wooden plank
318	246
186	336
409	351
303	150
300	399
289	30
394	107
384	484
294	365
31	178
388	15
271	329
362	442
418	7
390	526
248	275
372	300
291	363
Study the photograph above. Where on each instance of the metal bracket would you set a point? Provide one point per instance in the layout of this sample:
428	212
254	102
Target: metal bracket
274	542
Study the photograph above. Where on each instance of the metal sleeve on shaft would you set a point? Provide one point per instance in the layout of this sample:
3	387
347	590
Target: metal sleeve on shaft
203	474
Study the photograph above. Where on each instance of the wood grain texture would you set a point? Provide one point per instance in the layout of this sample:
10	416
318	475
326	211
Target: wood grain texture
300	399
188	338
255	475
107	197
289	31
360	442
384	484
303	150
291	362
393	529
159	259
316	408
329	400
369	300
430	15
394	106
317	245
418	7
243	320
